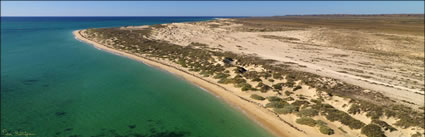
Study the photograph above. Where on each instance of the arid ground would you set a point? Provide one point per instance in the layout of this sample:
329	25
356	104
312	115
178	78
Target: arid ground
384	53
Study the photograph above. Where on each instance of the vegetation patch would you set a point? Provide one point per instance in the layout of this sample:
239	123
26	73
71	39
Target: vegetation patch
257	97
306	121
333	114
308	112
384	125
276	104
274	98
326	130
372	130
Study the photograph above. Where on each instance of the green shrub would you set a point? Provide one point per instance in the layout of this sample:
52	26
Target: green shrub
354	109
373	111
326	130
417	134
321	123
276	104
277	76
274	98
257	80
238	81
263	87
225	81
297	88
221	75
299	103
306	121
406	122
246	87
257	97
375	114
287	93
384	125
278	86
308	112
266	75
333	114
239	70
252	75
286	109
389	113
290	83
372	130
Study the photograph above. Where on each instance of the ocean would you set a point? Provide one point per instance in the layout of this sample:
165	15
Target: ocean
53	85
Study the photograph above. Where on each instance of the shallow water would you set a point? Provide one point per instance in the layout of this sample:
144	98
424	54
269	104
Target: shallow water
54	85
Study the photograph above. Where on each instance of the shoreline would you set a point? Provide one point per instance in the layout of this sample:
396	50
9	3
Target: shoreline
265	118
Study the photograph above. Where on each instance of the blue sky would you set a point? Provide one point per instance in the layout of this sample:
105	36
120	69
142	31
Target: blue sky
204	8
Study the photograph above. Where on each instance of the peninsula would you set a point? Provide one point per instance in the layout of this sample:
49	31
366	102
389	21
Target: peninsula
324	75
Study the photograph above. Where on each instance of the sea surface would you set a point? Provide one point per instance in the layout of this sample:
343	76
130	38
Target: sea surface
53	85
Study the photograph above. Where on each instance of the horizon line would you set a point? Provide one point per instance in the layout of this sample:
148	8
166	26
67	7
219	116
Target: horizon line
129	16
372	14
240	15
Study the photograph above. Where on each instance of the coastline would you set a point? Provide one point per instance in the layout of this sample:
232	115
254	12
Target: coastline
260	115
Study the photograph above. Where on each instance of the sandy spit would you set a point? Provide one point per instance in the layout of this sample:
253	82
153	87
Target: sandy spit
259	114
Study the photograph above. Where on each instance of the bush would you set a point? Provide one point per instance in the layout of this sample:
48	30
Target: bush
246	87
278	86
326	130
354	109
389	113
417	134
333	114
239	70
306	121
238	81
266	75
308	112
287	93
287	109
290	83
225	81
276	104
251	75
257	80
277	76
406	122
221	75
372	130
257	97
297	88
274	98
263	87
321	123
384	125
299	103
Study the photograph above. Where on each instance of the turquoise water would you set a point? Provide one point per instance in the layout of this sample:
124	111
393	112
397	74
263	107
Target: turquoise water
53	85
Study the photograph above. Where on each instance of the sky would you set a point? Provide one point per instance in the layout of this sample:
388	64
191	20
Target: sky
205	8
